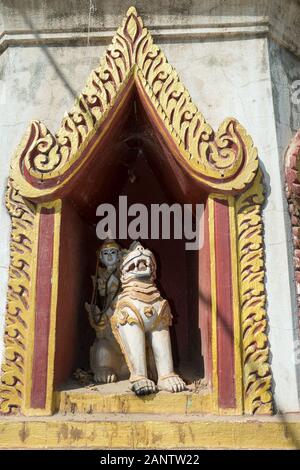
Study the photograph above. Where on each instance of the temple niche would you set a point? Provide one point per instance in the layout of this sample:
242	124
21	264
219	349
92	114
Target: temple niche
135	132
131	161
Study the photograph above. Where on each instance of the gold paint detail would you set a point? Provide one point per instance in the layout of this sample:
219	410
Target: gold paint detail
124	317
116	333
93	402
31	320
16	329
57	206
238	368
126	312
256	369
148	311
49	405
136	290
226	159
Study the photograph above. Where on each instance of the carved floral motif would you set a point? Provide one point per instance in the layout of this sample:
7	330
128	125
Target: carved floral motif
226	159
255	348
12	378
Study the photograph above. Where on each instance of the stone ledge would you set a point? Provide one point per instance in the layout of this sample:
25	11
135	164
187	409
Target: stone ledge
142	431
22	21
92	38
109	399
104	37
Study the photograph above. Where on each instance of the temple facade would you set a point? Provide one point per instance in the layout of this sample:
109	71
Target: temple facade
170	103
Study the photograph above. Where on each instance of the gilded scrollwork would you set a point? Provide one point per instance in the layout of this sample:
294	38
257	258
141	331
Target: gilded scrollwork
44	155
257	376
226	159
12	377
126	312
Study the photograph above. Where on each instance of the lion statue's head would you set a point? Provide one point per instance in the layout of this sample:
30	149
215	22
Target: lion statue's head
138	263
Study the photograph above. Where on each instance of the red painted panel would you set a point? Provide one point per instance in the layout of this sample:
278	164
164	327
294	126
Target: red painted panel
225	333
205	298
43	306
77	263
75	247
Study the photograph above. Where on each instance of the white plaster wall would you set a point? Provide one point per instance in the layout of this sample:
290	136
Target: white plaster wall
225	78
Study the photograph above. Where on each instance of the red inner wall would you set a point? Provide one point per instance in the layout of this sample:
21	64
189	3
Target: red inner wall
170	255
77	238
183	277
177	279
43	307
225	334
132	150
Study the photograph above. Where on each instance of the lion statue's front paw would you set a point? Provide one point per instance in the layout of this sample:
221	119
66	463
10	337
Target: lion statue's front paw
171	383
143	386
105	375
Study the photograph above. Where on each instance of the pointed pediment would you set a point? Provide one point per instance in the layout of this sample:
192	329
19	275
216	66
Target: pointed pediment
224	161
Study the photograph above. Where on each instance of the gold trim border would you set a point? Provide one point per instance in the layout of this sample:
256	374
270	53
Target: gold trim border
18	300
50	405
31	320
257	377
91	402
214	347
251	344
235	304
239	393
149	66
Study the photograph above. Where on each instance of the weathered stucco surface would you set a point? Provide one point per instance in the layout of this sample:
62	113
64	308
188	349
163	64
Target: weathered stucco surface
247	77
20	17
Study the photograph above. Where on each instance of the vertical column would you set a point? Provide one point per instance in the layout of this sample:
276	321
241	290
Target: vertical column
226	351
39	365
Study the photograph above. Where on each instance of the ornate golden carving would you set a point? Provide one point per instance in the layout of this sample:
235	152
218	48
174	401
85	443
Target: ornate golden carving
124	317
12	378
149	311
256	369
123	314
225	160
